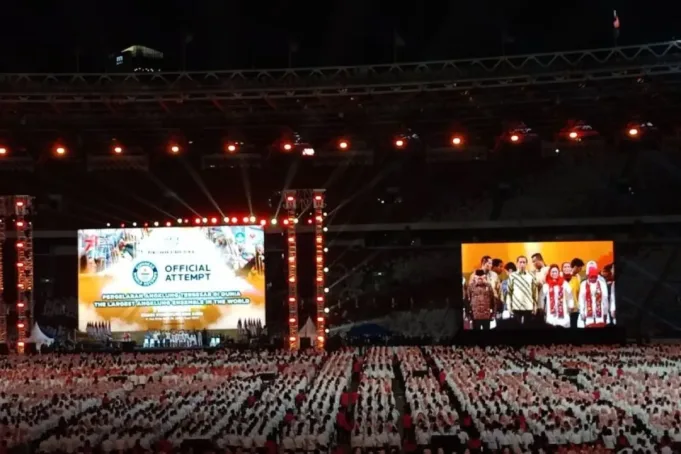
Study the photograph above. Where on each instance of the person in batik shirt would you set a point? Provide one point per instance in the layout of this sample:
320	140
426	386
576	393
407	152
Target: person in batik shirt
481	296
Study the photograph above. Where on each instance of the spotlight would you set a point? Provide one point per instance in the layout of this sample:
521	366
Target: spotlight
633	132
515	138
399	143
3	151
60	150
573	135
343	144
287	146
231	148
174	149
456	141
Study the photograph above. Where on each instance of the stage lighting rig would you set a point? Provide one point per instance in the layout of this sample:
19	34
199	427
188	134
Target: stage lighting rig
402	140
637	130
519	133
577	131
343	144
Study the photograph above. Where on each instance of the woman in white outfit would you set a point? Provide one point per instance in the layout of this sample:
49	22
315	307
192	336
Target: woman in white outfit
558	298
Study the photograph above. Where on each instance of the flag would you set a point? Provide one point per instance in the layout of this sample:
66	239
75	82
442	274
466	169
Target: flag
616	21
615	26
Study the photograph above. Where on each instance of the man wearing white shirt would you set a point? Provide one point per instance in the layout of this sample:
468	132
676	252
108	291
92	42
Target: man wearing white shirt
463	438
527	438
593	300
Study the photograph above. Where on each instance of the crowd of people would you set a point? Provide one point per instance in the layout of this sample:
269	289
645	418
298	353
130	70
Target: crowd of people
573	294
392	399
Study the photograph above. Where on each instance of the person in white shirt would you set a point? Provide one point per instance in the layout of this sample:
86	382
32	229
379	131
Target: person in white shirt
558	299
527	438
593	300
521	297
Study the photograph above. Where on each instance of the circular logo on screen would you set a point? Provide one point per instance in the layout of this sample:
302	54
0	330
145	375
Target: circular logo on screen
239	237
145	274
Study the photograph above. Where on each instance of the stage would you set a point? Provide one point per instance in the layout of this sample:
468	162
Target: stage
541	336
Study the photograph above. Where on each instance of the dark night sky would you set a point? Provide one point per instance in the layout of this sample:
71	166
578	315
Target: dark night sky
46	35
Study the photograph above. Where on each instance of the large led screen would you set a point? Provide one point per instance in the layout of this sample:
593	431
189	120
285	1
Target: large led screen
140	279
566	284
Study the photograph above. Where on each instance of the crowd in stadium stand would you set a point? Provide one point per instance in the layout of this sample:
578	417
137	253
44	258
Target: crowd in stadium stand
616	399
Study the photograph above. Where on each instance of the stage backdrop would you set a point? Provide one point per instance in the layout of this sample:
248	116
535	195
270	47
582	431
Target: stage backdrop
140	279
558	252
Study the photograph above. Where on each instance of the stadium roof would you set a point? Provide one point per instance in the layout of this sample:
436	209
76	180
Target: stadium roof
609	85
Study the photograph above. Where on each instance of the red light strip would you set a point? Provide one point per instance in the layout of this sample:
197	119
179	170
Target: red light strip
292	259
198	221
320	278
24	270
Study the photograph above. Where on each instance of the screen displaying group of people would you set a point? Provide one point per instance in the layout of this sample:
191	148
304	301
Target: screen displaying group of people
527	292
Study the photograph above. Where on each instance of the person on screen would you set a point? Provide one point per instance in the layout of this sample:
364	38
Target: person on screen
482	299
558	299
492	277
574	281
540	272
522	292
593	300
498	267
577	265
610	279
509	268
608	274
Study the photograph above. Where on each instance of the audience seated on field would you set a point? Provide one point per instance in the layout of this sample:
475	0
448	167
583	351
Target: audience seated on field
520	400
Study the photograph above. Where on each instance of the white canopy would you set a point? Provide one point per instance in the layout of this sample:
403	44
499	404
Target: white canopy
38	337
308	330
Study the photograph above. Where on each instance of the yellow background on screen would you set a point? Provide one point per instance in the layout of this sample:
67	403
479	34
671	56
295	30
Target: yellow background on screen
553	252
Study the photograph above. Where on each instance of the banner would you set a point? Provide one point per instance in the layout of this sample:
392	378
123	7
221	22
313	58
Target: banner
140	279
562	284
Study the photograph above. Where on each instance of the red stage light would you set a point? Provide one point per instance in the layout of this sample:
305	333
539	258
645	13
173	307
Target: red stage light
515	138
263	222
20	204
287	146
399	143
197	221
234	220
3	151
231	148
245	219
168	224
175	149
214	220
573	135
633	132
456	140
118	149
60	150
343	145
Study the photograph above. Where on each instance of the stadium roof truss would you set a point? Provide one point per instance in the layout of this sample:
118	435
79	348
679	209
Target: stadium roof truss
475	87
